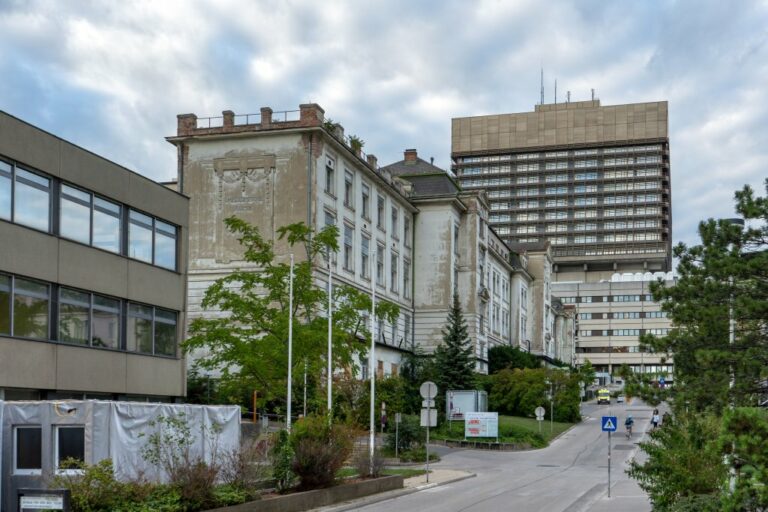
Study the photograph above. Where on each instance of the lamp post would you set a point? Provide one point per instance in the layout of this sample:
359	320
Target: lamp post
372	371
290	344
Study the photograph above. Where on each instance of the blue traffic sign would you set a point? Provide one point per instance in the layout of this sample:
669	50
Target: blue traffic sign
609	423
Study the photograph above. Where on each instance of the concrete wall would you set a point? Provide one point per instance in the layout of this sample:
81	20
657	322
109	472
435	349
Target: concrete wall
34	254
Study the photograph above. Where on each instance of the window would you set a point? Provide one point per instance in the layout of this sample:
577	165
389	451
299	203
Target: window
407	329
31	301
69	447
330	178
395	227
585	316
349	190
32	200
151	330
106	225
366	201
165	245
524	298
6	175
74	316
406	278
140	236
365	254
5	304
75	210
406	231
379	264
648	314
456	239
349	259
28	450
330	220
584	214
394	264
105	322
380	222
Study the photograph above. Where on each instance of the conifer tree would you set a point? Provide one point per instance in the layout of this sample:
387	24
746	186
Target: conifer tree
454	360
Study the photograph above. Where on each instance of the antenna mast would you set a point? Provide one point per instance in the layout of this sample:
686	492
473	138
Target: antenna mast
542	86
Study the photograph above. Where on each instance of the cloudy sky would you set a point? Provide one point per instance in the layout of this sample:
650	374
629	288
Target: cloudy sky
111	75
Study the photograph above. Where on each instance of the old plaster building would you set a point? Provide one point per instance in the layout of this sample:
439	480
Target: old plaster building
92	274
408	225
592	180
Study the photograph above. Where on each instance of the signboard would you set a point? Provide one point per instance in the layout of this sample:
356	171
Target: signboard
609	423
458	402
41	503
431	420
481	424
428	390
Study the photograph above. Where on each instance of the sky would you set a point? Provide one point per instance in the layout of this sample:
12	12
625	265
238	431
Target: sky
111	76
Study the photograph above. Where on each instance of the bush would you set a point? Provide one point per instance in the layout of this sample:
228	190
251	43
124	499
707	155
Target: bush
319	451
282	455
409	435
247	468
363	466
418	455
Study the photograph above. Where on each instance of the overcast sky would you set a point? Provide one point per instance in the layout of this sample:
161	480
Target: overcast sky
111	75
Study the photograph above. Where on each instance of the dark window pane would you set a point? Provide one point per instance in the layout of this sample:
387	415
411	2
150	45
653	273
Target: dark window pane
140	237
165	245
5	304
71	445
139	329
30	309
32	203
75	214
74	313
5	190
106	225
165	332
106	322
29	448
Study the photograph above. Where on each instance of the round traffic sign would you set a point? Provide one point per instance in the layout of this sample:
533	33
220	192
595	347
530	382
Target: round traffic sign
540	412
428	390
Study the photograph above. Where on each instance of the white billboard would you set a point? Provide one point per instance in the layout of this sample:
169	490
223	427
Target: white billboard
481	424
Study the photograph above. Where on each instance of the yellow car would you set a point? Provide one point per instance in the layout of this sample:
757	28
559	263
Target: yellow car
603	396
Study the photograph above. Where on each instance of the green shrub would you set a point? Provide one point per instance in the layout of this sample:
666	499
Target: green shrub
409	435
418	455
367	468
319	451
282	455
94	489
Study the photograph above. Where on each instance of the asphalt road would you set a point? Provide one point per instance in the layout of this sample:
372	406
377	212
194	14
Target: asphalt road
570	475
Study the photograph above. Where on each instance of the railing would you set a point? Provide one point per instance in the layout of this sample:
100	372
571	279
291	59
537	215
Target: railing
242	119
210	122
285	116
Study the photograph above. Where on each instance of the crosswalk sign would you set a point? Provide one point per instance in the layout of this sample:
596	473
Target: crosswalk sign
609	423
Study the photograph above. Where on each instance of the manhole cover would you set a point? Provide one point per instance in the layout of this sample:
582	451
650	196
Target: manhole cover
547	466
623	446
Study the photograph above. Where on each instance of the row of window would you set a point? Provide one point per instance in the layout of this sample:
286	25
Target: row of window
561	154
618	315
365	203
579	226
624	332
560	178
37	310
587	299
68	446
44	203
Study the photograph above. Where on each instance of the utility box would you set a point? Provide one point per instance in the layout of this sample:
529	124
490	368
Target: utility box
460	402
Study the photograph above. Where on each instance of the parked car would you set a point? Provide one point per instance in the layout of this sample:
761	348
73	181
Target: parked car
620	399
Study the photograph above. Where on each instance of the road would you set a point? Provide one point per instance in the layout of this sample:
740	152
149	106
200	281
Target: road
570	475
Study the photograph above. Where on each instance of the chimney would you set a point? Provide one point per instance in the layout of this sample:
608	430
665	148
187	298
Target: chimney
410	155
372	161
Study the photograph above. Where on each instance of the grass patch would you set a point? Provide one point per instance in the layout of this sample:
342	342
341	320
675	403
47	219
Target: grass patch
512	429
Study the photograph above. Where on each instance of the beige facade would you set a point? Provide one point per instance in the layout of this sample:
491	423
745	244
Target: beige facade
90	294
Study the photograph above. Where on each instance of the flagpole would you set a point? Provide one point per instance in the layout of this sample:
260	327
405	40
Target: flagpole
330	337
371	361
290	343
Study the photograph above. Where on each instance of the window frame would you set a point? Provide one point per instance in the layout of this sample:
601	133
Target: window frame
153	320
15	469
56	455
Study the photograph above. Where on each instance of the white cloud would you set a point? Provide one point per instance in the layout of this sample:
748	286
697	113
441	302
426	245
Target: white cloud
113	75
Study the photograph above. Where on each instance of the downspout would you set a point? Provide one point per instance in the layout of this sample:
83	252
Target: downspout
180	169
309	188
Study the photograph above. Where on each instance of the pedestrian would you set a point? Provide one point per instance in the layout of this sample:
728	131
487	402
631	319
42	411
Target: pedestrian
655	419
628	425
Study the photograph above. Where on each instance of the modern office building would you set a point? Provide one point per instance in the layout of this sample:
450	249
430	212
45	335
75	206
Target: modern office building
92	274
592	180
407	224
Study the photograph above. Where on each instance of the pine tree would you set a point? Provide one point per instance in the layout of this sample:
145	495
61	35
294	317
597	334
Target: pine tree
454	361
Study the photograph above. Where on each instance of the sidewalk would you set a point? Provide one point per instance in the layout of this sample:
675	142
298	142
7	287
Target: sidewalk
437	477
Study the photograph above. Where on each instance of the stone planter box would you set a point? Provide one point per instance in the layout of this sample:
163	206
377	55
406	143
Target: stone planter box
319	498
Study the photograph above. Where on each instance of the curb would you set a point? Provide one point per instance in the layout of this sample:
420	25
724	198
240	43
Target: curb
390	495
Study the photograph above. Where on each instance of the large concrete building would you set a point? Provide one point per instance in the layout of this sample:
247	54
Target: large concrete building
92	274
593	181
409	225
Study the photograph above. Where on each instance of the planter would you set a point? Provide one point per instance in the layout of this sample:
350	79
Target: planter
320	497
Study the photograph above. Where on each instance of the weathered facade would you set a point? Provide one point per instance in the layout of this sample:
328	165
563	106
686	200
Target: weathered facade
92	274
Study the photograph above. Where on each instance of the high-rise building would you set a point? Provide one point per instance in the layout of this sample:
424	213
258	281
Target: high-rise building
594	182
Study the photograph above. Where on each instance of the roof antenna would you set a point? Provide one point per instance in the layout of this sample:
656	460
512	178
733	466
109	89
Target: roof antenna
432	160
542	86
593	95
568	97
555	91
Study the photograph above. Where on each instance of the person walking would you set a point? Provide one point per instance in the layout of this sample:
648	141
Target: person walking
655	419
628	425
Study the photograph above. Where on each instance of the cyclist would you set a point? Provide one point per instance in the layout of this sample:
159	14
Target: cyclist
628	425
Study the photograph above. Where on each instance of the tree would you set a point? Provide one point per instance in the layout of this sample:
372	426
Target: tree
247	343
505	356
454	361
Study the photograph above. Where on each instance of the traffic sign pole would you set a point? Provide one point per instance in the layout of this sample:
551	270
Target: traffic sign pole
608	424
609	463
